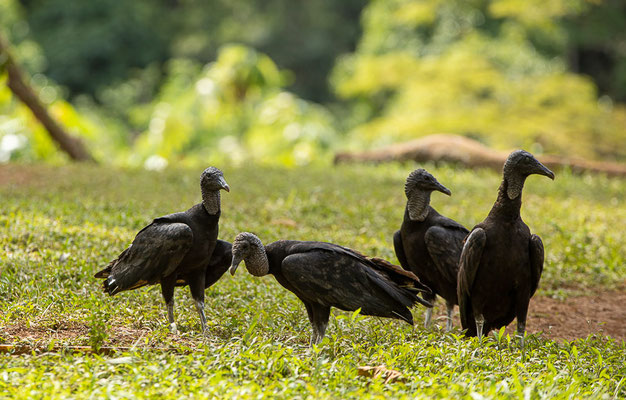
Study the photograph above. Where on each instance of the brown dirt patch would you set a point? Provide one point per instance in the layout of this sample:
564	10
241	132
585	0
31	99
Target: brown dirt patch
76	336
602	313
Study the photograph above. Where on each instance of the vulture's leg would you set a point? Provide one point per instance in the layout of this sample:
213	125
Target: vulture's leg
480	323
309	311
196	287
449	309
321	315
318	316
167	290
428	317
521	329
521	312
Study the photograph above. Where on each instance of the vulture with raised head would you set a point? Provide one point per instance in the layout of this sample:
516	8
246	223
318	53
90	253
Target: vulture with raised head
324	275
501	261
429	244
176	250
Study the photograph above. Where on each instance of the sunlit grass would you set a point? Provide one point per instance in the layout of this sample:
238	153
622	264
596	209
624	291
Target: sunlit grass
60	224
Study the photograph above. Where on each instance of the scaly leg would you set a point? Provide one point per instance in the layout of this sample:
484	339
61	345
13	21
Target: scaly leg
167	290
480	323
449	310
521	330
196	287
428	318
318	316
521	312
170	317
200	309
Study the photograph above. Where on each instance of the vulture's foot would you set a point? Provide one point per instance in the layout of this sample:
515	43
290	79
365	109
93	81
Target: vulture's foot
315	339
318	333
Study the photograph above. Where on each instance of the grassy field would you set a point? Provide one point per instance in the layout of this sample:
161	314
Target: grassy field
58	225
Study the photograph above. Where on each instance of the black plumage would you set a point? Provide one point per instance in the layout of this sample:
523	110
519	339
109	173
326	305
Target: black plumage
324	275
176	250
501	262
429	244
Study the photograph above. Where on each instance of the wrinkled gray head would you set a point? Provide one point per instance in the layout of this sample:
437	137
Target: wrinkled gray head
248	247
421	180
418	187
518	166
212	179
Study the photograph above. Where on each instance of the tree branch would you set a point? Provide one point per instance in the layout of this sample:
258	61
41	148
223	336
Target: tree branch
71	145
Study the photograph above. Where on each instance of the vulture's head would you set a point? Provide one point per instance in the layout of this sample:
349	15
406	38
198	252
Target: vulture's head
421	181
518	166
418	187
248	247
212	180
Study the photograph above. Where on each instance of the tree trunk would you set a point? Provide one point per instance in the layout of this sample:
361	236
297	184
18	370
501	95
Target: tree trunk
73	146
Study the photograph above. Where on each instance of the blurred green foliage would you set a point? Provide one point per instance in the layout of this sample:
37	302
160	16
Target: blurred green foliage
157	82
493	70
91	44
233	109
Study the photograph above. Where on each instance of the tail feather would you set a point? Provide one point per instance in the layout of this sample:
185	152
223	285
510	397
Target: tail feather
103	273
405	315
404	279
110	286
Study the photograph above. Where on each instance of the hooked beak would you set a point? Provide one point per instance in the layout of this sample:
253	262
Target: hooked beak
234	265
443	189
543	170
224	185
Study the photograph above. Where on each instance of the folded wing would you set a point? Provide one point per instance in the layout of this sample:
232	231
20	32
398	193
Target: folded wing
156	251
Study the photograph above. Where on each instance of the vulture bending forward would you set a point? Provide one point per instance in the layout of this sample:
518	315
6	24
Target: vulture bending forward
176	250
325	275
429	244
501	262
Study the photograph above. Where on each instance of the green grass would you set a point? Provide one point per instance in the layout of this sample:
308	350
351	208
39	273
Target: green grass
60	224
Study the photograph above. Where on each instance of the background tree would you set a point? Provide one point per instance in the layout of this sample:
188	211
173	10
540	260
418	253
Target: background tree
493	70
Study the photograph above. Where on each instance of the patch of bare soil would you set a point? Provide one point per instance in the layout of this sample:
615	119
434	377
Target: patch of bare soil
73	336
602	313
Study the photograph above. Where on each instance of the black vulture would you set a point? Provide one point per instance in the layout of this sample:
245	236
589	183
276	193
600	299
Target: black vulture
501	262
176	250
429	244
324	275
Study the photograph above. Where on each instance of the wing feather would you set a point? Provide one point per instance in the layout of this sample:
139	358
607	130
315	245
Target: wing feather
445	246
468	265
343	281
536	262
156	251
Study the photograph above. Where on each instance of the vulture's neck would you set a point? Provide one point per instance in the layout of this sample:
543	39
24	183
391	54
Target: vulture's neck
211	201
417	205
505	206
257	263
